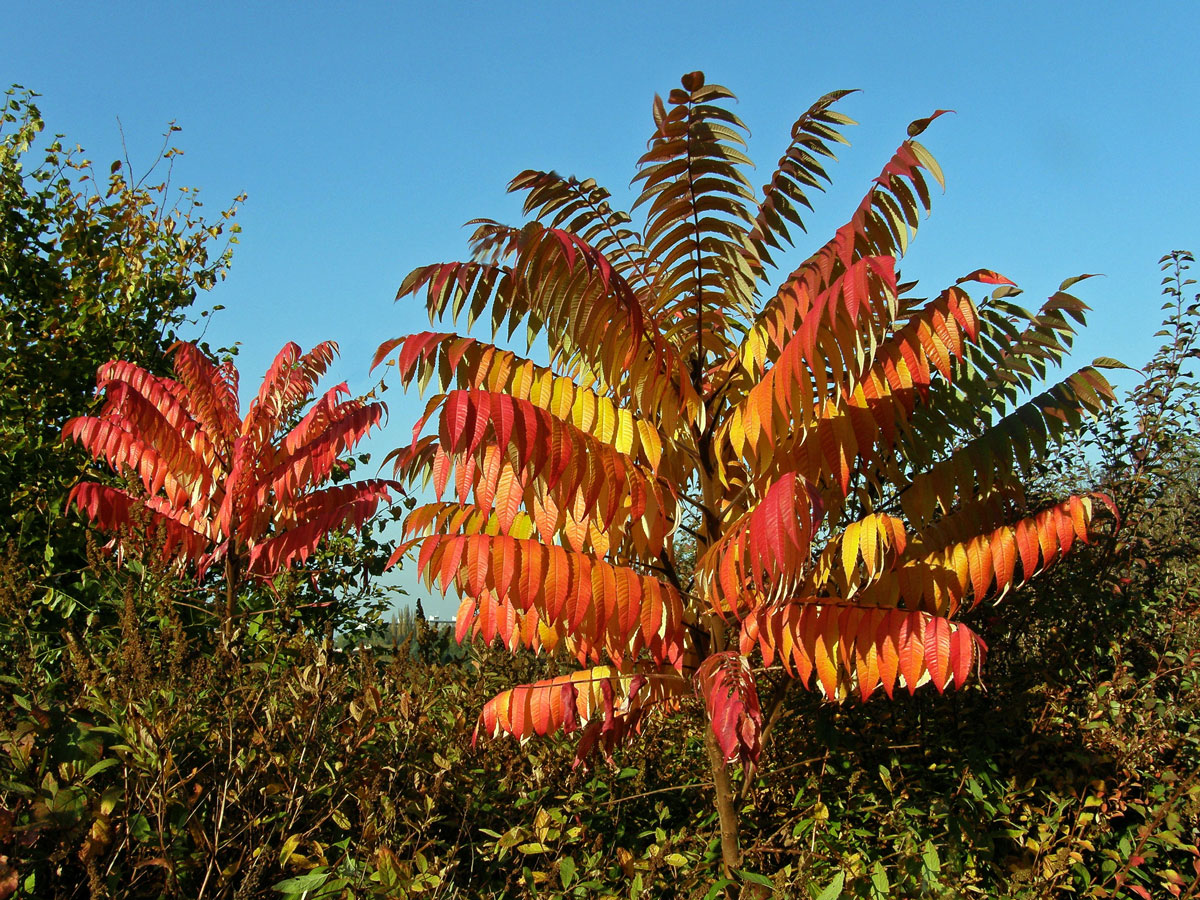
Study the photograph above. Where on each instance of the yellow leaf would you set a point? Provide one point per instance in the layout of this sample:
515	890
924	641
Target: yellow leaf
850	550
737	433
650	442
583	414
606	420
623	439
868	540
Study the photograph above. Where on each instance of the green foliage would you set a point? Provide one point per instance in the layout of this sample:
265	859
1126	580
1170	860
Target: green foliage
92	267
152	760
338	589
147	759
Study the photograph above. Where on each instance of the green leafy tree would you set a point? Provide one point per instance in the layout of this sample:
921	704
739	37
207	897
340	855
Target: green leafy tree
92	267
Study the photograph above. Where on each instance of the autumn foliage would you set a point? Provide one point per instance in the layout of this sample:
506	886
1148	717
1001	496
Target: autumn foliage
243	490
843	457
711	491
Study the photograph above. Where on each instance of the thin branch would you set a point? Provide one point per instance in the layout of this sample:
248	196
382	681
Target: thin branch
678	787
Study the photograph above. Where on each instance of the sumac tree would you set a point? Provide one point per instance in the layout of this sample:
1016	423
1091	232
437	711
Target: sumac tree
711	479
245	493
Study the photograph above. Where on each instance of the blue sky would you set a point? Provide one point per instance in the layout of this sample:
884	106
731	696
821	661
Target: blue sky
366	134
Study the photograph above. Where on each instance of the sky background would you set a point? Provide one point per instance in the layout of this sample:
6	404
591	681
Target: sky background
366	134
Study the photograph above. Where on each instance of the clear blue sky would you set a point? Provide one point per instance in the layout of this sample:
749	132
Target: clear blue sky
366	134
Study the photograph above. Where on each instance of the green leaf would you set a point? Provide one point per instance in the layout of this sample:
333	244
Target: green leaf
99	767
309	882
139	827
675	860
755	878
879	881
566	871
833	890
288	848
929	856
718	887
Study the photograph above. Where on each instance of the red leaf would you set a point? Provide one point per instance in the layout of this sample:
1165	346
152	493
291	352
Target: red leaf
887	641
910	641
937	651
986	276
726	684
220	484
962	653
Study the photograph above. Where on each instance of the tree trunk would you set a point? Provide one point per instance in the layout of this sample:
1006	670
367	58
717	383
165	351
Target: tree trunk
231	586
731	851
